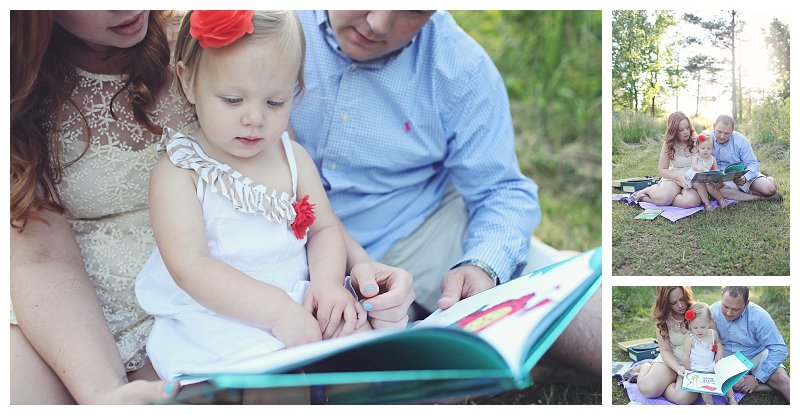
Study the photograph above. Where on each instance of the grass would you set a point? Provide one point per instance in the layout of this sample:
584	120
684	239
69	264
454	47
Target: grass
635	304
745	239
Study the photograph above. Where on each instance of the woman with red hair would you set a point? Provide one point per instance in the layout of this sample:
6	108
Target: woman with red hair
677	151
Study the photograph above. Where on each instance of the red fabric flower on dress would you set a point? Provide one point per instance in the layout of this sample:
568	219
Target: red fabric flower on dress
218	28
701	138
305	217
714	348
689	316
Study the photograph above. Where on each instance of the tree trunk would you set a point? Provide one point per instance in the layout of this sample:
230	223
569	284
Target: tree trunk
734	90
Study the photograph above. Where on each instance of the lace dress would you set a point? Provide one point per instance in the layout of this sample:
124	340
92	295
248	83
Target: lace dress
249	227
677	334
105	196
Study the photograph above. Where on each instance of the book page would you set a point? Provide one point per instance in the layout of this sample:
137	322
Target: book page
702	382
729	367
512	315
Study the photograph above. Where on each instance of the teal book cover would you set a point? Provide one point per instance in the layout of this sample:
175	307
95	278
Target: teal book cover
483	344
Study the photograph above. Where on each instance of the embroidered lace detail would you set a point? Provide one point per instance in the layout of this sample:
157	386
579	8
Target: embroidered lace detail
700	341
104	194
243	192
676	326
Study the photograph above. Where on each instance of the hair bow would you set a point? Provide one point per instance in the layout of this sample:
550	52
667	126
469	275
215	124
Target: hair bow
690	315
701	138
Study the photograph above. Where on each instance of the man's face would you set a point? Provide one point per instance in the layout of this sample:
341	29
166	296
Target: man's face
722	132
368	34
732	307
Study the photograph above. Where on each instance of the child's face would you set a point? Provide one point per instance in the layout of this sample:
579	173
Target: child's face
243	96
706	147
699	326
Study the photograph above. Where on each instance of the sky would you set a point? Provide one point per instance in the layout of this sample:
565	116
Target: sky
752	54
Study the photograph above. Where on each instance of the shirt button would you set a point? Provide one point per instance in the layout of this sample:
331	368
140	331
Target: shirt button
333	166
353	67
345	117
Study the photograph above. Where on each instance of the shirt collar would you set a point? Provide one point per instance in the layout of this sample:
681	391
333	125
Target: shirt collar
321	19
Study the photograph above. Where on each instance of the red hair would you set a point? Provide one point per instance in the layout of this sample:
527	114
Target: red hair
662	309
671	135
42	78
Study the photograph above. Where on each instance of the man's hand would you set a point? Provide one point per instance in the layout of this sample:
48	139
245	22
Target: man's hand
747	384
739	181
386	290
717	185
463	282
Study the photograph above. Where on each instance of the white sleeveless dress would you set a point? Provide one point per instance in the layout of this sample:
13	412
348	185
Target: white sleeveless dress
248	227
702	355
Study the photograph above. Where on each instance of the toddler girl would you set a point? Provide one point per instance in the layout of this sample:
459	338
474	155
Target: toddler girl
703	161
702	347
236	206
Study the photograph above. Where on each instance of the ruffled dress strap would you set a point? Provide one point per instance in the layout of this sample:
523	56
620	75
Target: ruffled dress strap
246	195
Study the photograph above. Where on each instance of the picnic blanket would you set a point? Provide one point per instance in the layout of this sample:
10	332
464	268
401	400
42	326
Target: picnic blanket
637	398
671	212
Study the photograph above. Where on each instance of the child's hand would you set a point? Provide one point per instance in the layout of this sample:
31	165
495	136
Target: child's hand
681	371
296	326
362	323
332	304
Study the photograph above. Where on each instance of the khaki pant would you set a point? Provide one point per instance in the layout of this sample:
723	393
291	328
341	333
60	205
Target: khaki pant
430	251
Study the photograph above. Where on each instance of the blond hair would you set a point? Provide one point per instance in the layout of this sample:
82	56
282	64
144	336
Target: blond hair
281	26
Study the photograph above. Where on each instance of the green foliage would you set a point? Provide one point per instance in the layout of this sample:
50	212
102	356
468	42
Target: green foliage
641	68
770	123
630	128
550	60
778	43
551	64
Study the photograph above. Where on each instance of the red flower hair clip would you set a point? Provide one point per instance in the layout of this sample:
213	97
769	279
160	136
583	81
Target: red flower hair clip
305	217
690	315
218	28
714	348
701	138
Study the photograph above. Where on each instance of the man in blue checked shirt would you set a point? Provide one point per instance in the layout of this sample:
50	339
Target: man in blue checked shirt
745	327
408	122
731	147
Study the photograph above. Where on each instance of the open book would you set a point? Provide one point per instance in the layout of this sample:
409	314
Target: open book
483	344
734	171
727	371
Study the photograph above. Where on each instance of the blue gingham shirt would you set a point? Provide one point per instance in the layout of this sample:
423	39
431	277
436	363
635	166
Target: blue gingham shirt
390	135
736	150
750	334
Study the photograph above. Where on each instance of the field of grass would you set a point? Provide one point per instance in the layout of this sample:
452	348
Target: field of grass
632	319
745	239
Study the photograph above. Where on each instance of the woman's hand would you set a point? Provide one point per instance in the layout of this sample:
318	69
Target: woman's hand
137	392
681	370
386	290
296	326
331	303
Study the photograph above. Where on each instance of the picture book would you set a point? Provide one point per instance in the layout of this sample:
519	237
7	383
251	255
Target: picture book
649	214
727	371
734	171
485	343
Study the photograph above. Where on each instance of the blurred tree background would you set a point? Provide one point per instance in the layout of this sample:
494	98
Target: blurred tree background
552	65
